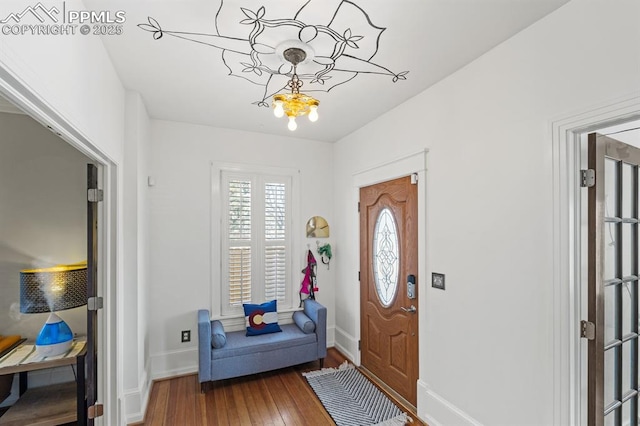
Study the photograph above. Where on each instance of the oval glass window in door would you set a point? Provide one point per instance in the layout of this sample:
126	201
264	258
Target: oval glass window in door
386	257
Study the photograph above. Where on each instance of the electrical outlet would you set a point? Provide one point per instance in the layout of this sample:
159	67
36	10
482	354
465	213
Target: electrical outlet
185	335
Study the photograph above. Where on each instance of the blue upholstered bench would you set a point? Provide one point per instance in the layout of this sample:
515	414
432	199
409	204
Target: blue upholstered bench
239	355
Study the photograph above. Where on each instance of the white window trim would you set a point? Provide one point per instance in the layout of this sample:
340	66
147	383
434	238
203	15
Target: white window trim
215	278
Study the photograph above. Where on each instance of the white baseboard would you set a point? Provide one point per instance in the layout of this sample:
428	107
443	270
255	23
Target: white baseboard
135	400
437	411
132	406
162	366
331	336
174	363
347	344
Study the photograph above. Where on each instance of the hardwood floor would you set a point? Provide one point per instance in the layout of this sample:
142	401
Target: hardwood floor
281	397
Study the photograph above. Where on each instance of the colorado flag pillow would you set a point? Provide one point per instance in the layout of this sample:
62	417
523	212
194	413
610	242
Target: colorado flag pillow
261	319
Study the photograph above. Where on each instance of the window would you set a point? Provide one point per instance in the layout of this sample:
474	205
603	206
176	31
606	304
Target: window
386	257
256	219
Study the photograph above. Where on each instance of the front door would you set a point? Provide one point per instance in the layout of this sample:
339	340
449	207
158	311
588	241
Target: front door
388	261
613	274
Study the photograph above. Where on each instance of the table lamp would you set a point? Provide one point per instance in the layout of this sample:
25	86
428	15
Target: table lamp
50	290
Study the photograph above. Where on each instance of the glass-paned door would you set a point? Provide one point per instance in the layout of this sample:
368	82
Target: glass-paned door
613	283
92	409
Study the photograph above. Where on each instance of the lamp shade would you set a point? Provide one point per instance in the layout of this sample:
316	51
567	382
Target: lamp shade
53	289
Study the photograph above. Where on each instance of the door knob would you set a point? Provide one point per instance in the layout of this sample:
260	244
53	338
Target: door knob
411	309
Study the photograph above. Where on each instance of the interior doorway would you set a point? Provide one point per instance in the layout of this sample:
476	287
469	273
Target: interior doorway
608	288
42	224
20	100
568	268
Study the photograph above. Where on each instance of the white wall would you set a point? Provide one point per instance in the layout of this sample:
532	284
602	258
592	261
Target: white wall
180	231
135	380
486	343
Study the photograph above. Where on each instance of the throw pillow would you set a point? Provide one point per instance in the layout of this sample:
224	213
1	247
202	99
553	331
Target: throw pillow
261	319
303	322
218	336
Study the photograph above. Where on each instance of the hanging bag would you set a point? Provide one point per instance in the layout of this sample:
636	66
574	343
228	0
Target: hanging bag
308	286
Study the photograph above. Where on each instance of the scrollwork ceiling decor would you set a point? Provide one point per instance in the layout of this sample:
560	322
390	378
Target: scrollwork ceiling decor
345	44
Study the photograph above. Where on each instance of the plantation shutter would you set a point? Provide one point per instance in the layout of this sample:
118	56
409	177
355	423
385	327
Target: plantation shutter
275	251
239	231
256	218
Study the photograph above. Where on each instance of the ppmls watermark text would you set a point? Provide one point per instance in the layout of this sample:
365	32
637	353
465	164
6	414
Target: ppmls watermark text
39	19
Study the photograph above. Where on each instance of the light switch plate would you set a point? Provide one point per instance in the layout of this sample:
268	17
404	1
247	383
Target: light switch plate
437	280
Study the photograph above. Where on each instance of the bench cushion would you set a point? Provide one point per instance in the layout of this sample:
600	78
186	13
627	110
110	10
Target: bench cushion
240	344
304	322
218	336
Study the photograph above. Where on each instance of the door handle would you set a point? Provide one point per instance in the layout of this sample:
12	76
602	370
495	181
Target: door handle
411	309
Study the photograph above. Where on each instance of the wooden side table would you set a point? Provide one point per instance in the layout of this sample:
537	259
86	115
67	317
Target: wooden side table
48	405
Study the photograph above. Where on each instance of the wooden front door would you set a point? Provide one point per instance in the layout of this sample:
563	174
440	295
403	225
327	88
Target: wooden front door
388	307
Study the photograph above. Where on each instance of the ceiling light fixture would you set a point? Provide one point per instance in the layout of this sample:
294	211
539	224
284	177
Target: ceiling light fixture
295	104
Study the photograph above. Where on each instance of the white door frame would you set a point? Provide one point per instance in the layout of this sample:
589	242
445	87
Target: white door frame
109	366
396	168
566	131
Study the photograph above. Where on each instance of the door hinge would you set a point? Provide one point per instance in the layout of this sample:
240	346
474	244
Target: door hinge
358	275
94	303
95	195
587	178
587	330
359	345
95	411
358	206
414	178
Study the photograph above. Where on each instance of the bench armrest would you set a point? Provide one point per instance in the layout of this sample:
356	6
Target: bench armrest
318	315
204	346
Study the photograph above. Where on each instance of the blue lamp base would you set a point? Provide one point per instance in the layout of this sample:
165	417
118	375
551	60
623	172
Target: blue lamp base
55	338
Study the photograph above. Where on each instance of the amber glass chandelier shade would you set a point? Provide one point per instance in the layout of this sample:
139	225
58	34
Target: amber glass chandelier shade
294	105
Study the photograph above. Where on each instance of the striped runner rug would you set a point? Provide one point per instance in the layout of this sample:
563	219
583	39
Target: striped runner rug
351	399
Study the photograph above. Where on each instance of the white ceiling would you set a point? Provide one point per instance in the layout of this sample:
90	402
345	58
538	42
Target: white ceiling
183	72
